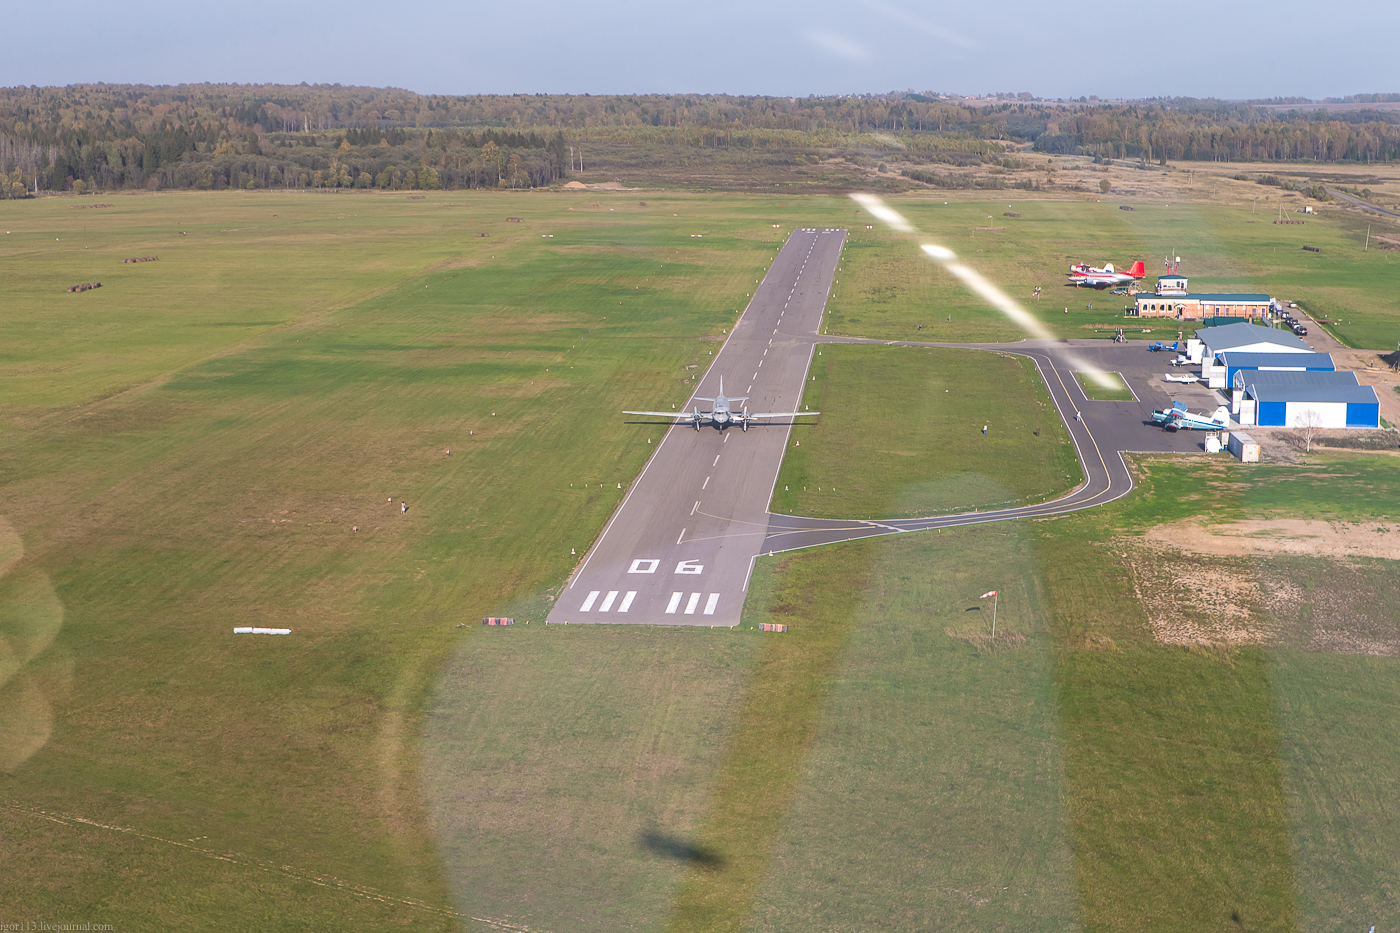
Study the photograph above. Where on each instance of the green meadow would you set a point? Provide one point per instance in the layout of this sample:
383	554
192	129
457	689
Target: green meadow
919	414
229	436
881	294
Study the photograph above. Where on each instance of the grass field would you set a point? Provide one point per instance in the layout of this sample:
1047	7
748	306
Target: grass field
882	294
226	437
901	435
1204	787
931	797
163	497
1094	388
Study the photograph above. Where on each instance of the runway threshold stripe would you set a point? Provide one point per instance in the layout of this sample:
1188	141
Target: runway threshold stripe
627	601
675	601
588	603
608	601
711	603
692	603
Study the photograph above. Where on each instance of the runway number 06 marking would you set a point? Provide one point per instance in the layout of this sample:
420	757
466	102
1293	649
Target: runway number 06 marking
649	565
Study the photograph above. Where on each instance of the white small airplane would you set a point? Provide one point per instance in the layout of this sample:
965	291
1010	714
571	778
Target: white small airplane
1177	418
721	414
1182	377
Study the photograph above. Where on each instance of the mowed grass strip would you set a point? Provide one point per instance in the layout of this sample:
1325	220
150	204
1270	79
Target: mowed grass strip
1339	724
567	770
931	797
901	434
763	760
1173	762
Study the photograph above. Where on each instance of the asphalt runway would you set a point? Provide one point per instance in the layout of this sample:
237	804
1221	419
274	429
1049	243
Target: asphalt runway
680	548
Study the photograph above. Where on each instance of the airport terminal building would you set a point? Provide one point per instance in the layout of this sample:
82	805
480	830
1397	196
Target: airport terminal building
1172	298
1198	306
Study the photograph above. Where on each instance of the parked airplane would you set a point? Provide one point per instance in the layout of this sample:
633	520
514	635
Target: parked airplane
1083	275
1177	418
1182	377
721	414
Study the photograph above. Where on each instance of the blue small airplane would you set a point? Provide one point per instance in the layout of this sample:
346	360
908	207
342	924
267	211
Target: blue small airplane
721	414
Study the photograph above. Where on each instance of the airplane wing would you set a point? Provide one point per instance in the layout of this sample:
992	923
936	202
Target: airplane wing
780	414
663	414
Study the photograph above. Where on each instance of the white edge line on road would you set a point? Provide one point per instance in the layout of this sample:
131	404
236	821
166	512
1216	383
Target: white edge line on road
1129	385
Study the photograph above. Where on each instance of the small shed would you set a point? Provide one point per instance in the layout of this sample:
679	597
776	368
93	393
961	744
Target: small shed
1244	447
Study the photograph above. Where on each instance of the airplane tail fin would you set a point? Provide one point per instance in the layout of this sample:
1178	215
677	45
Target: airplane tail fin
1108	267
1139	270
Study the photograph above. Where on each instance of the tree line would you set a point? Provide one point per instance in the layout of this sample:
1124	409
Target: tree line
218	136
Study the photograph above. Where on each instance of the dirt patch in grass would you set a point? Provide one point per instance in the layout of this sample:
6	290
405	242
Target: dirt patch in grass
1269	537
1312	585
1190	602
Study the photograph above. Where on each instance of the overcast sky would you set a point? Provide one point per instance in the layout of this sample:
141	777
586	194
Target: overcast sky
1203	48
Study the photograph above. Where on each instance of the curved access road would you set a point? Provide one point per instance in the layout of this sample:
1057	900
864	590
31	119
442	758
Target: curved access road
1102	434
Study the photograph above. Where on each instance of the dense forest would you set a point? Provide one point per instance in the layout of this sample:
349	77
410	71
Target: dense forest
105	137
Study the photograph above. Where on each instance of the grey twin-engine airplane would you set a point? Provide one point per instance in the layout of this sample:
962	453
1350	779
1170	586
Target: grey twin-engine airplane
721	414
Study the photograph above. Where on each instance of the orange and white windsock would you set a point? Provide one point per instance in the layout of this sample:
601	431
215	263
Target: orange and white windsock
985	595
